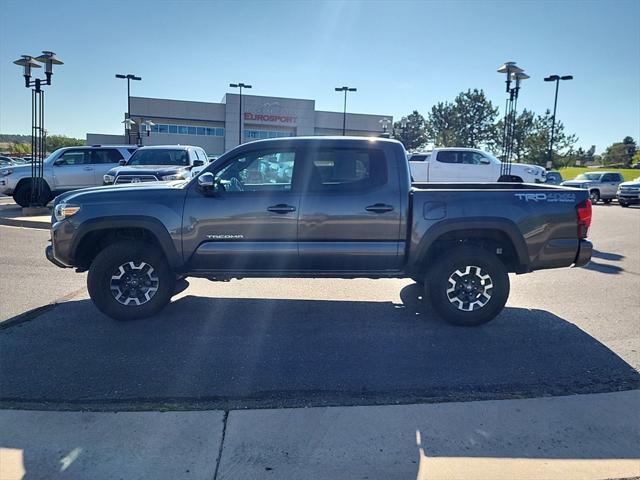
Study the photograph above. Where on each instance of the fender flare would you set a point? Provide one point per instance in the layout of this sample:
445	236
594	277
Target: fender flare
500	225
151	224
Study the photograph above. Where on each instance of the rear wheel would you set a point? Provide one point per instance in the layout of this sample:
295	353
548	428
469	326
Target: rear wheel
129	280
594	195
607	201
468	286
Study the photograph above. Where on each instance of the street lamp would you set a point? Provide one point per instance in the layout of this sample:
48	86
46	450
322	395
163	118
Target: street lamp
384	122
344	112
513	74
128	77
554	78
38	132
240	86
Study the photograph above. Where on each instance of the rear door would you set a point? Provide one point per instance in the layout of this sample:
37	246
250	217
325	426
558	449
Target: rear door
350	211
444	166
103	160
251	226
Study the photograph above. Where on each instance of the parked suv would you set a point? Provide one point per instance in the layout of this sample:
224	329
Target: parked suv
65	169
468	165
601	185
629	193
157	163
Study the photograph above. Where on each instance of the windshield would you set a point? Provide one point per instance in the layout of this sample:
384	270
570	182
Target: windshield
161	156
589	176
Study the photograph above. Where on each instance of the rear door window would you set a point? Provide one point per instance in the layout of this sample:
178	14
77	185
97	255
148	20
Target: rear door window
449	156
345	170
110	155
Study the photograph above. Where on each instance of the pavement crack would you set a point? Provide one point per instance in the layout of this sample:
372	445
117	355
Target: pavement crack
224	432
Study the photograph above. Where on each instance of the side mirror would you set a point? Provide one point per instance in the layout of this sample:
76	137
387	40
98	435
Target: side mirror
198	163
206	182
122	162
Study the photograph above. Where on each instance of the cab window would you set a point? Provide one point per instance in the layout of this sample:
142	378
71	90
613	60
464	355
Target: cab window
259	172
74	157
345	170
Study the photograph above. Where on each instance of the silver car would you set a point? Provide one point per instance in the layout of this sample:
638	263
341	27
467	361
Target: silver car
601	185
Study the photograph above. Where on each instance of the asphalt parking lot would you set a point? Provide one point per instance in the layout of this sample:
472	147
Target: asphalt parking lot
284	343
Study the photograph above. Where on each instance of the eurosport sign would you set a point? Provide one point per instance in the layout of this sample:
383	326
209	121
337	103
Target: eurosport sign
264	117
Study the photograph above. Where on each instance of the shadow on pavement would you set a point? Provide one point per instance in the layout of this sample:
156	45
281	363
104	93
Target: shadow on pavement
233	352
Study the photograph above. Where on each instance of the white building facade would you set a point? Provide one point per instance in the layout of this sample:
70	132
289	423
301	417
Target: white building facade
218	127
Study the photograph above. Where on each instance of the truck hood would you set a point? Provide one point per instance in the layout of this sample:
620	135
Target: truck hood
631	183
577	183
156	170
118	192
525	167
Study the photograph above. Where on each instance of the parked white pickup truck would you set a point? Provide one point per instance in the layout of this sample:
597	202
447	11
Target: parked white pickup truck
468	165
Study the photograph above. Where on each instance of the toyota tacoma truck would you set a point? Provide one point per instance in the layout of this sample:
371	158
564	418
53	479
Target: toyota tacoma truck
317	207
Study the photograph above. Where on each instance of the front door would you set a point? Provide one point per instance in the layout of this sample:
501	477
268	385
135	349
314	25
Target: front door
73	169
475	167
350	212
252	224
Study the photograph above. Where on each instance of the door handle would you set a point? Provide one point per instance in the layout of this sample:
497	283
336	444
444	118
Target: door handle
88	168
281	208
379	208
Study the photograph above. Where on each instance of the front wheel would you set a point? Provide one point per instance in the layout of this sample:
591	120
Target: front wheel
623	204
468	286
130	280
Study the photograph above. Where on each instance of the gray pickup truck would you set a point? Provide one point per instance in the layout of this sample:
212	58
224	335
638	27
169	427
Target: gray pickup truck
317	207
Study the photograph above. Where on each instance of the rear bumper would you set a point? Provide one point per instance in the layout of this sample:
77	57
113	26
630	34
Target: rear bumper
585	249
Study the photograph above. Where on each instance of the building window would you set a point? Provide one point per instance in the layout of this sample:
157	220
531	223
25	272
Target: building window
263	134
187	130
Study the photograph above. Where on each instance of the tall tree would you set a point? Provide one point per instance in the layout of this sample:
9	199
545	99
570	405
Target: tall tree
413	136
470	121
620	152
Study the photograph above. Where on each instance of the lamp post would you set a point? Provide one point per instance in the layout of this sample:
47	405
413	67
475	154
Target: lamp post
554	78
384	122
145	127
240	86
513	74
344	111
128	77
38	132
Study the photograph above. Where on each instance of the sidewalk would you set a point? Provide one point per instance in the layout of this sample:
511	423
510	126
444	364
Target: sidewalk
11	215
575	437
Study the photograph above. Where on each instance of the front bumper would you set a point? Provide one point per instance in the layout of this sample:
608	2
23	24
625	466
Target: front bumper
585	249
49	254
629	199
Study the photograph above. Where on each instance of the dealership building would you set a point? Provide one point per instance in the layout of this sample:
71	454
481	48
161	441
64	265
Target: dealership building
216	126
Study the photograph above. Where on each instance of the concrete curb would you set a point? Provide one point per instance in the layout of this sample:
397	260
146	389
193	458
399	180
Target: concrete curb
13	222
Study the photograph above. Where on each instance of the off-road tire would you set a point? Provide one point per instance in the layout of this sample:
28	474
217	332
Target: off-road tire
107	264
468	259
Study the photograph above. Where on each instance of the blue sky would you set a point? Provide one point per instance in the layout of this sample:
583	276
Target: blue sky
401	55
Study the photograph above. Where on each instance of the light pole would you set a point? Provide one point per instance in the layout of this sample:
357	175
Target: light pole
554	78
128	77
240	86
344	112
513	74
38	135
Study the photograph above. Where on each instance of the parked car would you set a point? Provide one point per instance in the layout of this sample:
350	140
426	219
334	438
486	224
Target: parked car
157	163
468	165
601	185
67	168
331	207
6	161
196	170
629	193
554	177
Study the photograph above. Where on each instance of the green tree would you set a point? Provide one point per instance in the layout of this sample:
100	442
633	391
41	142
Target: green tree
58	141
414	135
535	146
470	121
620	152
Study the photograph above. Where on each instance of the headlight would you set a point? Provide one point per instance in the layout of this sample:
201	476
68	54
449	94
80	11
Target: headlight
64	210
6	171
108	178
175	176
